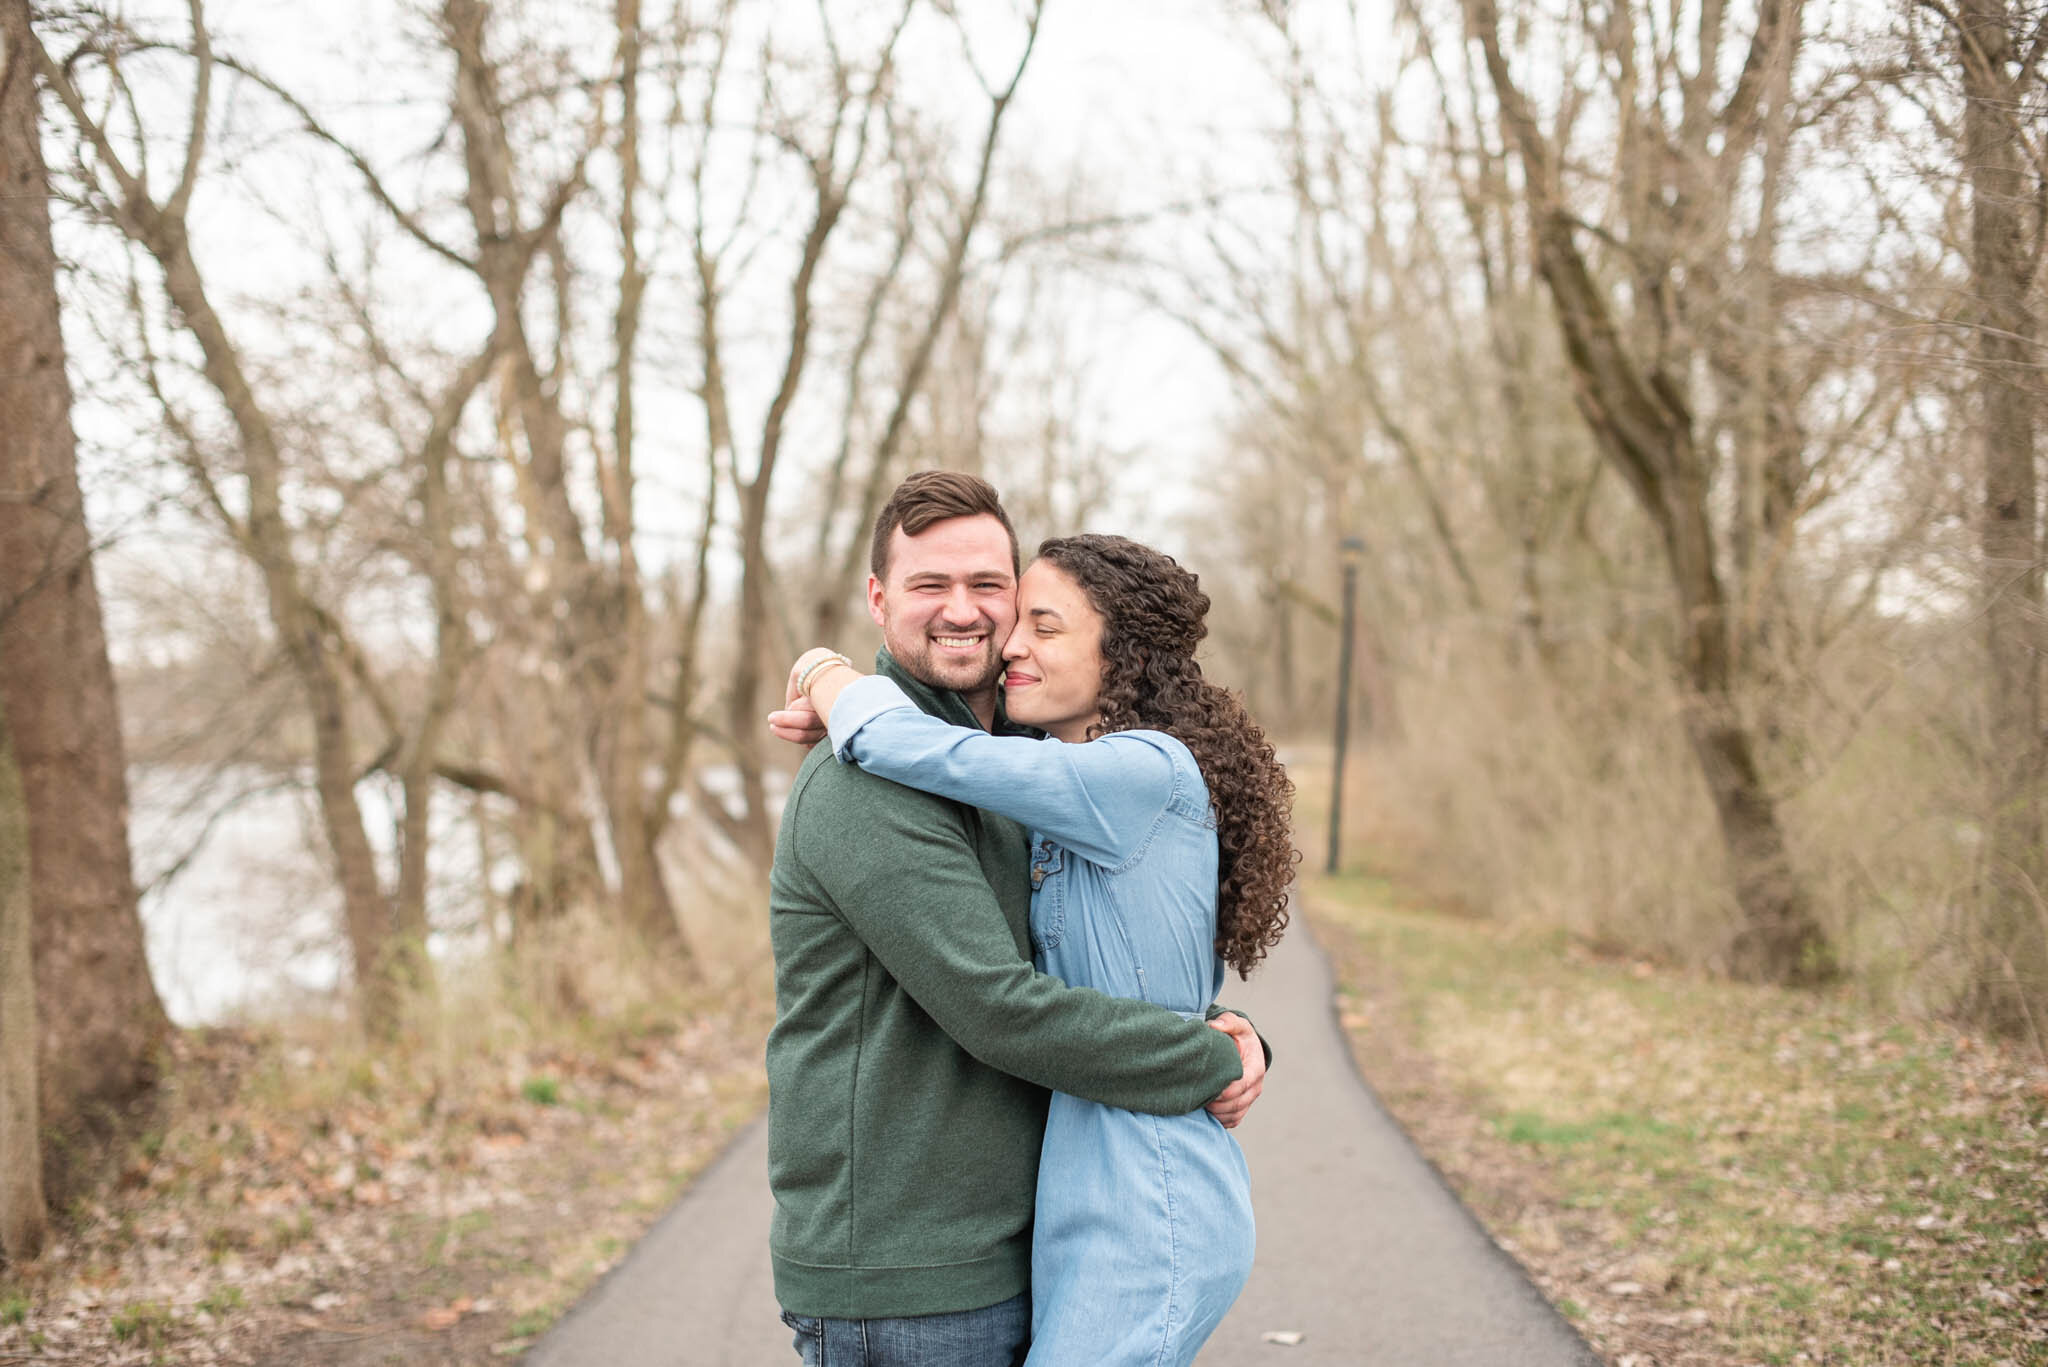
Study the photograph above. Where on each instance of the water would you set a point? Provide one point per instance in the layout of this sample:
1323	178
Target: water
240	912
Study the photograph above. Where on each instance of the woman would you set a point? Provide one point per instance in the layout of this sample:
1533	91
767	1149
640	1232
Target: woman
1160	854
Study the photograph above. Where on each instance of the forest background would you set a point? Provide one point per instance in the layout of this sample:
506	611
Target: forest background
464	410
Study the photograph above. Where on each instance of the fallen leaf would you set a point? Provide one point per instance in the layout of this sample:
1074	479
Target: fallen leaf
1286	1338
265	1198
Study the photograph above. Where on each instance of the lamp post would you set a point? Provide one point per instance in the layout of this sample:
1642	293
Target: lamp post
1352	547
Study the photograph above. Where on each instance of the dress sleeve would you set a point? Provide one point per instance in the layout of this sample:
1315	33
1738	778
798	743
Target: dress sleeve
1101	799
914	891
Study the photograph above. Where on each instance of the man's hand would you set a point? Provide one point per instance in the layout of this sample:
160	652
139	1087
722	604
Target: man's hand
798	723
1235	1100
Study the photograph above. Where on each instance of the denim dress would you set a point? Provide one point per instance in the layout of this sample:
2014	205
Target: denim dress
1142	1235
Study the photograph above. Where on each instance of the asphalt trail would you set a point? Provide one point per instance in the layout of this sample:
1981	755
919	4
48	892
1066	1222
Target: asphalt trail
1363	1251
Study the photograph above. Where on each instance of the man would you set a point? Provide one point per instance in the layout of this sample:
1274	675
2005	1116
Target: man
914	1043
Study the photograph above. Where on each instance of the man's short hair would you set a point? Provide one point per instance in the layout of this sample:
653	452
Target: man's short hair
931	496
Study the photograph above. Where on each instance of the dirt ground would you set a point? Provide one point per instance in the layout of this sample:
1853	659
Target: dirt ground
299	1210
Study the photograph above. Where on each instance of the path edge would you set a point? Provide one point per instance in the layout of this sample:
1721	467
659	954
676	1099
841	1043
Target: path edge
538	1353
1521	1277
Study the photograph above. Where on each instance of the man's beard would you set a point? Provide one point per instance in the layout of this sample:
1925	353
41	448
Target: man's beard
921	660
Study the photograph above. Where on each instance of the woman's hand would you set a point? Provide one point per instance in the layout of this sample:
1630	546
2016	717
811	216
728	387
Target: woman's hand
810	666
800	720
815	681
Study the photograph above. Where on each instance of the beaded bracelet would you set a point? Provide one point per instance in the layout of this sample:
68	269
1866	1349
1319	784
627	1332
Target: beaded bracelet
803	680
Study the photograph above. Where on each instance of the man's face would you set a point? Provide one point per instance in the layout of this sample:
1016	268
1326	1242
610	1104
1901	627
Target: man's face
949	603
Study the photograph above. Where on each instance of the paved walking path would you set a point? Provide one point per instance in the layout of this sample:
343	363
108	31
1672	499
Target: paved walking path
1362	1249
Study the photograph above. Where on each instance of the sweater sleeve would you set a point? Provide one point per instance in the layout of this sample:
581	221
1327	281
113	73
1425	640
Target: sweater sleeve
1100	798
914	891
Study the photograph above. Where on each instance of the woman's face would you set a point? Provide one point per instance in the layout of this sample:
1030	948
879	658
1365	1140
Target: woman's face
1053	660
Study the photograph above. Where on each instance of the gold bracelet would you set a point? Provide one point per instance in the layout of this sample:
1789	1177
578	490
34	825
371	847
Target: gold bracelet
818	666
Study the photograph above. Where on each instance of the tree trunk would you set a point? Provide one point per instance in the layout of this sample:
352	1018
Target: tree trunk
419	751
99	1016
624	758
1751	360
743	703
23	1214
756	832
1778	940
2013	982
1282	609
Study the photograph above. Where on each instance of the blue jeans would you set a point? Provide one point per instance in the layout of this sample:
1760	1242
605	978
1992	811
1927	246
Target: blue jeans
993	1336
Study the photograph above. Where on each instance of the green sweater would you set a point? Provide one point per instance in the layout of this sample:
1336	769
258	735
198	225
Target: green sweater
914	1044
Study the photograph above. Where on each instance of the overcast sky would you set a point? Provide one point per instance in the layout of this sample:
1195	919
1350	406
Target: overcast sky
1136	100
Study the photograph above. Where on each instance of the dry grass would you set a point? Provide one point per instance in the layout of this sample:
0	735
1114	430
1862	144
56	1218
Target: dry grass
1579	806
305	1199
1703	1174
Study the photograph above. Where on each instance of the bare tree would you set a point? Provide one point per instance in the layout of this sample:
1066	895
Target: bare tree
600	638
1633	393
837	148
386	949
882	461
833	160
625	746
97	1011
554	604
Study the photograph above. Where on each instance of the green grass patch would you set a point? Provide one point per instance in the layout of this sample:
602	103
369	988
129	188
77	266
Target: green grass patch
222	1301
450	1234
291	1230
1619	1131
532	1323
146	1324
1812	1177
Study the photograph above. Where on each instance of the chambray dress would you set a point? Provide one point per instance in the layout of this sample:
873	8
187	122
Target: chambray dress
1143	1229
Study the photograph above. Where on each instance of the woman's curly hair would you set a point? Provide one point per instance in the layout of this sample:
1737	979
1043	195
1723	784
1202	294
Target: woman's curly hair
1152	611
